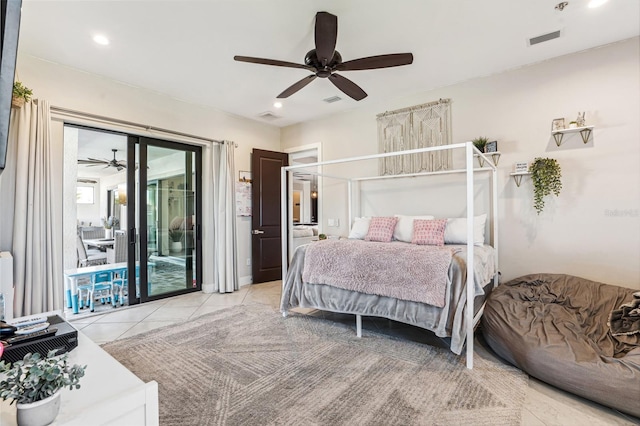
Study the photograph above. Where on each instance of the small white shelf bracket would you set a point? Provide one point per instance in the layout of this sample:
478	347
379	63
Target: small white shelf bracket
517	177
495	157
585	133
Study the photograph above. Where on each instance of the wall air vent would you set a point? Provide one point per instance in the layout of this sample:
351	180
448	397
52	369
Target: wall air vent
332	99
268	115
544	37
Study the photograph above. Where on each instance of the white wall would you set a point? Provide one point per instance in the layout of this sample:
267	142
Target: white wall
593	228
76	90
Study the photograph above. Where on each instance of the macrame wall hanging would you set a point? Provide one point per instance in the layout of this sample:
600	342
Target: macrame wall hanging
415	127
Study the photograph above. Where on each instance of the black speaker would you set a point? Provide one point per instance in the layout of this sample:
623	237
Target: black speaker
64	340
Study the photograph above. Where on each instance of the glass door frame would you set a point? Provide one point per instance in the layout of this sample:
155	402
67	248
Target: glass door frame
141	240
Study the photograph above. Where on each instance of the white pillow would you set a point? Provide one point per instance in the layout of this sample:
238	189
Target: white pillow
404	227
456	230
360	228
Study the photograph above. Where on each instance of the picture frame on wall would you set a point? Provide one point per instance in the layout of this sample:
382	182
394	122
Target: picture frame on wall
557	124
491	146
244	176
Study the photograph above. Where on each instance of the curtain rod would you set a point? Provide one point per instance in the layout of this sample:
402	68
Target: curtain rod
131	124
415	107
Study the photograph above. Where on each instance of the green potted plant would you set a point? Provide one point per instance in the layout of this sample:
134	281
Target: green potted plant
108	224
480	143
34	383
546	175
21	94
322	237
176	239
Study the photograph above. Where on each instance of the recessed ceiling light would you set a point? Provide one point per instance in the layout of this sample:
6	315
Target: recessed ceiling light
596	3
100	39
277	104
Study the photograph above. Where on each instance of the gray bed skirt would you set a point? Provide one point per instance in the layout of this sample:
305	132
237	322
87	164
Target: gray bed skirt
447	322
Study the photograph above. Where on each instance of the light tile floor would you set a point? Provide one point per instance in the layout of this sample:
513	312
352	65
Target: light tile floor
544	405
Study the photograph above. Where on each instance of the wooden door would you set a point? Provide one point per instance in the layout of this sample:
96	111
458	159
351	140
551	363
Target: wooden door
266	226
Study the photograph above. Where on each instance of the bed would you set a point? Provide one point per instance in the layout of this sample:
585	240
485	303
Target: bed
448	321
303	234
466	283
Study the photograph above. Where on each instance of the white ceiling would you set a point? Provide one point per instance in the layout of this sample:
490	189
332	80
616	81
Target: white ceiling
185	49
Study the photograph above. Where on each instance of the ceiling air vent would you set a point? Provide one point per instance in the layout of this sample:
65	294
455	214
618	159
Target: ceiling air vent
332	99
268	115
544	37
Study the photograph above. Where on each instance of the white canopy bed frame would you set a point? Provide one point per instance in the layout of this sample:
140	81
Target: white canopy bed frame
468	171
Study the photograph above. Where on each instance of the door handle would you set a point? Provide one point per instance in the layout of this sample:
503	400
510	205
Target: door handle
257	231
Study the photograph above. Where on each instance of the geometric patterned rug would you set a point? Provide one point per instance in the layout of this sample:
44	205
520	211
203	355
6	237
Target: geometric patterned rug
247	365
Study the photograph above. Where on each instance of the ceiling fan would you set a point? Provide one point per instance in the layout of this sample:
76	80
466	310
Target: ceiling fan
324	60
118	164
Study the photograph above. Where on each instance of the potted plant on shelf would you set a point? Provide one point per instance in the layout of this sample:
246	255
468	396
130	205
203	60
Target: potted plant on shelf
34	383
176	239
21	94
546	176
480	143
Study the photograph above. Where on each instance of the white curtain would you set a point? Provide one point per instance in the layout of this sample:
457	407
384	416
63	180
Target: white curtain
36	223
224	207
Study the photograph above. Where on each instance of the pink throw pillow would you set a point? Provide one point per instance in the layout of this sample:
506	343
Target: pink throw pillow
429	232
381	229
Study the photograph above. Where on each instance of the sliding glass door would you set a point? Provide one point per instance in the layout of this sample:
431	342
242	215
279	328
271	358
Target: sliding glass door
164	218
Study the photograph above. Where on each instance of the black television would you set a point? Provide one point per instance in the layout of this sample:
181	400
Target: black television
9	31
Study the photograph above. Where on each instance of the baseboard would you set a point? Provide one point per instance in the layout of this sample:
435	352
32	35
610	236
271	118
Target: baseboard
242	281
208	288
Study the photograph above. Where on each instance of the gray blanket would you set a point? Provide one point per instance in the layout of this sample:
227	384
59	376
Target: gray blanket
448	321
403	271
625	321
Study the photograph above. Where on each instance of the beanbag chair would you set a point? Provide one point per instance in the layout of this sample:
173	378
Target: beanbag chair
557	329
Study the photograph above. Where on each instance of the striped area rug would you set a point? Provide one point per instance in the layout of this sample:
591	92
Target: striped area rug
247	365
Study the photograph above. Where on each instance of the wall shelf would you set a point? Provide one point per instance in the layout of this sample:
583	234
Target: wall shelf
585	132
517	177
495	157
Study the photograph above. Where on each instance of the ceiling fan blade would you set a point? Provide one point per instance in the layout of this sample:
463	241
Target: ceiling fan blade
89	161
375	62
296	86
326	36
348	87
274	62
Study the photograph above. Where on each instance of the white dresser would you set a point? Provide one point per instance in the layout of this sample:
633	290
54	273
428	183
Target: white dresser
109	393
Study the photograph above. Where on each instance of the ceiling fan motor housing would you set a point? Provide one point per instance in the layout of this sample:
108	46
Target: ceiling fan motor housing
311	59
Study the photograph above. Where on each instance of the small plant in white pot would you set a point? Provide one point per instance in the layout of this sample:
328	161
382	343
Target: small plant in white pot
108	224
34	383
176	239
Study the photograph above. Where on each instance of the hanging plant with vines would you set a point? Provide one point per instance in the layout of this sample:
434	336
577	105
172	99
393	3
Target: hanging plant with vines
546	176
